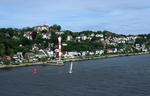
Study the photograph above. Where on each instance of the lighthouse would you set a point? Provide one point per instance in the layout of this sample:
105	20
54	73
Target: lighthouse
59	42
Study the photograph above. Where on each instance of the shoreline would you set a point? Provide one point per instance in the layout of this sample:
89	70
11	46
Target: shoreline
54	62
105	56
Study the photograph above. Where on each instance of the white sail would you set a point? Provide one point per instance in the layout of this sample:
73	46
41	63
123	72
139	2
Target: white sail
70	70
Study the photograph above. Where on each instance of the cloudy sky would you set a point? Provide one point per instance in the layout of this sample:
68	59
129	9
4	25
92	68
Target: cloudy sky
119	16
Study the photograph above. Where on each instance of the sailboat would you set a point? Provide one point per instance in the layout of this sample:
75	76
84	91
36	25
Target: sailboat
70	70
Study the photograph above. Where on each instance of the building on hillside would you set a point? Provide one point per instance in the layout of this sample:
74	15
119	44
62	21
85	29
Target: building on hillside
107	41
41	28
89	38
84	37
144	49
138	47
28	35
78	38
40	53
131	41
73	54
99	52
69	38
109	50
18	57
50	54
84	53
92	35
34	47
7	57
46	35
121	50
112	50
99	35
91	53
65	54
59	33
29	56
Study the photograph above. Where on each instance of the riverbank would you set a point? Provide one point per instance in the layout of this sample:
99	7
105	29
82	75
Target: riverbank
105	56
54	62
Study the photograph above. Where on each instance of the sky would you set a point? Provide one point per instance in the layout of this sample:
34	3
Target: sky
118	16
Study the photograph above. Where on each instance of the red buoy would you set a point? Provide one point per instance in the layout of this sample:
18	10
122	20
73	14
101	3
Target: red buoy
34	72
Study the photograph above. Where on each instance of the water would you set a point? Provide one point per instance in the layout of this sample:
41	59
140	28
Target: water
120	76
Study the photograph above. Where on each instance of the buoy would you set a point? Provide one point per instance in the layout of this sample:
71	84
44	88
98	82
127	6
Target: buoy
34	72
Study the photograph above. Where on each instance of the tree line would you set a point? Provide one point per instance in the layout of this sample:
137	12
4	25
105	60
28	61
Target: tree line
12	40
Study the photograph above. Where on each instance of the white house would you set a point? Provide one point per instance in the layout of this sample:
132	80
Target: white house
73	54
137	46
83	53
99	35
59	33
112	50
89	38
46	35
40	54
50	53
83	37
92	35
69	38
28	35
99	52
109	50
143	48
91	53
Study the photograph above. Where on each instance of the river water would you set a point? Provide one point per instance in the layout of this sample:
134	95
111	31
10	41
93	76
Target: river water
119	76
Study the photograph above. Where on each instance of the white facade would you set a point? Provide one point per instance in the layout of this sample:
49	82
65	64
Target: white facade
92	35
91	53
69	38
84	37
28	35
41	28
99	35
73	54
40	54
46	35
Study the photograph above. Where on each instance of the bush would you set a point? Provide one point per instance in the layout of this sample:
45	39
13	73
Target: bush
43	59
6	62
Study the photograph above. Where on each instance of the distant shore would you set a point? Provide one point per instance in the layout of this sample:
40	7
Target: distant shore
54	62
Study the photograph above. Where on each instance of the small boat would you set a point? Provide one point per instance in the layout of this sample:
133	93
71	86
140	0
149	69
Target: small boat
70	70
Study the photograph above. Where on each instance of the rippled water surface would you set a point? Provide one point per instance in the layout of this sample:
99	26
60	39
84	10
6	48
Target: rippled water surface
120	76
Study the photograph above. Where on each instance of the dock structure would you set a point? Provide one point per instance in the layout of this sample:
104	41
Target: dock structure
59	42
60	62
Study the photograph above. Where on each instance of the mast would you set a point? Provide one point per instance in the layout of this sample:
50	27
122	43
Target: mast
70	71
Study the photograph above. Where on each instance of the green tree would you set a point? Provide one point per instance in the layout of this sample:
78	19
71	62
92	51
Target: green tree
54	38
120	46
6	62
128	48
43	59
86	32
55	27
25	41
2	49
148	36
140	41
